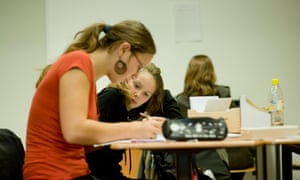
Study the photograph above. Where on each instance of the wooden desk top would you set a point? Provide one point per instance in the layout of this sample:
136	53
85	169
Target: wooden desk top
189	145
283	140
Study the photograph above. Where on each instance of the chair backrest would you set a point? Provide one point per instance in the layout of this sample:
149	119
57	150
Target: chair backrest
11	155
130	166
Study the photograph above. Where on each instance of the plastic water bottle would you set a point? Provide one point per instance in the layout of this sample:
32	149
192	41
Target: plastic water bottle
276	104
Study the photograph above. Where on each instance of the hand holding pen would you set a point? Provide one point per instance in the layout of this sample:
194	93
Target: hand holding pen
152	125
158	120
146	116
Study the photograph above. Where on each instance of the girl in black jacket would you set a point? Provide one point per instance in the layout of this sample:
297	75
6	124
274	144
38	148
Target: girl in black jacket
124	102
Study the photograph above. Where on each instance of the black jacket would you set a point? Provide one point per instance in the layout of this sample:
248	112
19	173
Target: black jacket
104	163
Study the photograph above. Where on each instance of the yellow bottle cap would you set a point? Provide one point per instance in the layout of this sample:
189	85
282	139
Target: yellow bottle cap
275	81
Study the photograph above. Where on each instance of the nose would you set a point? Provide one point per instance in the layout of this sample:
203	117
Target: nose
137	94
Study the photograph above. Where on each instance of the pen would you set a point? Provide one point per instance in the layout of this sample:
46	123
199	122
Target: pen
145	115
152	167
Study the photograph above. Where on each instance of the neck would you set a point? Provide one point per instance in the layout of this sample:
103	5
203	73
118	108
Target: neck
99	61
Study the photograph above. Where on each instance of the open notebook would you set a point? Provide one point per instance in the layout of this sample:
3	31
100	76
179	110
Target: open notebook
159	138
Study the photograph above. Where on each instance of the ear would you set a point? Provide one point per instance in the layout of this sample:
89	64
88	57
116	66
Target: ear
123	47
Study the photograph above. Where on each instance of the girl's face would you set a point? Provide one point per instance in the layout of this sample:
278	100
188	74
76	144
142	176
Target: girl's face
142	87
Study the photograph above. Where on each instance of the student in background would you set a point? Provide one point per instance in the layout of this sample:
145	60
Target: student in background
63	117
200	80
124	102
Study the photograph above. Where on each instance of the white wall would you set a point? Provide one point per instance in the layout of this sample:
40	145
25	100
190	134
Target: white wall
250	42
22	53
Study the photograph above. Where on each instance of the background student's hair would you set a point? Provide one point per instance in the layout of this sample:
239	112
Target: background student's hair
200	77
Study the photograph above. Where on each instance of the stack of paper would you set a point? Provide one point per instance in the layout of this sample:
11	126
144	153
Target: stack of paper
209	103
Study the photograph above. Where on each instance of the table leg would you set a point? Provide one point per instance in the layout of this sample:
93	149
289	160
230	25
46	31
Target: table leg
184	165
286	163
273	153
261	164
278	161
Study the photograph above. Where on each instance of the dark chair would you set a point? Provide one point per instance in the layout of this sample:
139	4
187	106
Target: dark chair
11	156
287	162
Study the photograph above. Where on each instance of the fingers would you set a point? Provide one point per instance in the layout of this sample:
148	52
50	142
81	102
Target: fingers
156	118
155	122
152	125
145	115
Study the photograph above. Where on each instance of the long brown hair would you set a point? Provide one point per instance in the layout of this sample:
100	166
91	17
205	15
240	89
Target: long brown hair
133	32
200	77
155	103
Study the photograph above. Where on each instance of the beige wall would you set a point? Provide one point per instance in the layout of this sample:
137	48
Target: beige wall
22	52
250	42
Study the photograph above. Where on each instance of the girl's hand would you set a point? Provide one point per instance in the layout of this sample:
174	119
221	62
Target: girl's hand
148	128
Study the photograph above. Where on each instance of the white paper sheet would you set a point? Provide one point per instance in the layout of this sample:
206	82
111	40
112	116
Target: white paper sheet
210	103
187	21
198	103
159	138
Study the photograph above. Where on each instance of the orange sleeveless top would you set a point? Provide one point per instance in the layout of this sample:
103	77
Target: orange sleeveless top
48	155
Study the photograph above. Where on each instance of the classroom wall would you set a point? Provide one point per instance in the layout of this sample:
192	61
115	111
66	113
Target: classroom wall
250	42
22	53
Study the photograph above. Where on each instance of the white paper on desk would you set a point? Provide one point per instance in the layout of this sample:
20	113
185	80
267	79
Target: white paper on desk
210	103
159	138
218	105
198	103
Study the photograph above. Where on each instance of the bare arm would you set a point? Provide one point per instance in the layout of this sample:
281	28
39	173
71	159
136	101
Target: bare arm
78	129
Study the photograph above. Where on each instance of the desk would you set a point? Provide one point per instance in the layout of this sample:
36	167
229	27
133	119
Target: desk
184	150
283	159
